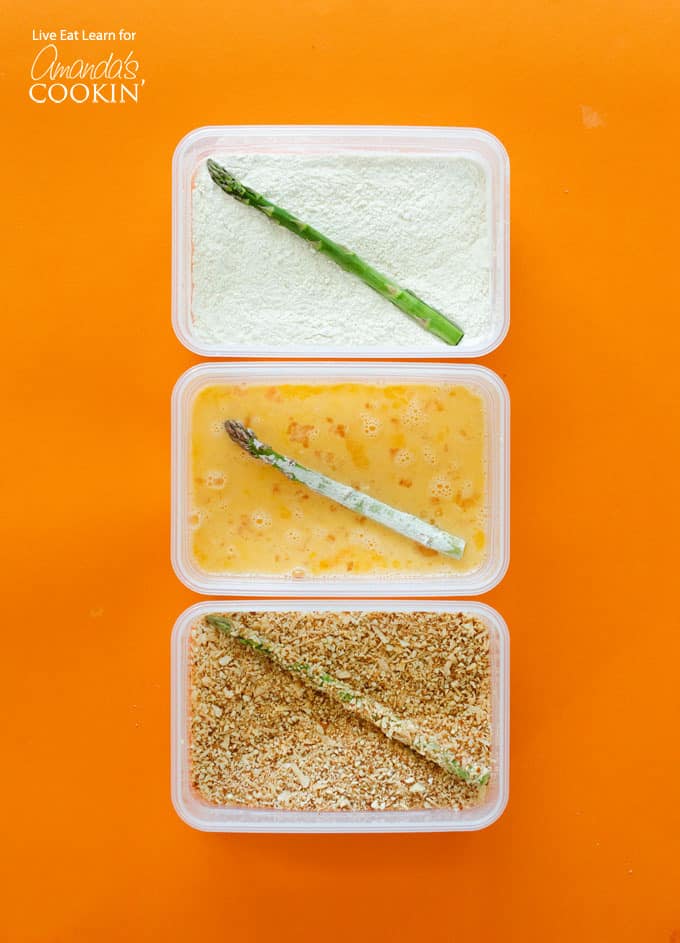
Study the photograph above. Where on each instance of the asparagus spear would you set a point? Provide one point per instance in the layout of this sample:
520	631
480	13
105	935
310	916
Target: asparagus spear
429	318
405	524
394	727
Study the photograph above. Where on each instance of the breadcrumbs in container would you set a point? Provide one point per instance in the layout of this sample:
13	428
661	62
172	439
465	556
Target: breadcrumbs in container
255	748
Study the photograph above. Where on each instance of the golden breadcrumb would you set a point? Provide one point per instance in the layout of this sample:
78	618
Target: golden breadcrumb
261	738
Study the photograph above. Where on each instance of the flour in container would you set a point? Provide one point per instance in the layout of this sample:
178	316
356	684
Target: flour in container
422	220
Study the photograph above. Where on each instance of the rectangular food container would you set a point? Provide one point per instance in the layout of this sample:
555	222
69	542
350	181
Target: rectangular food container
470	143
497	405
210	818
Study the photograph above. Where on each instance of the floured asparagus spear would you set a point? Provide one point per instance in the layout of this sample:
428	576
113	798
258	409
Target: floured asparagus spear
429	318
394	727
405	524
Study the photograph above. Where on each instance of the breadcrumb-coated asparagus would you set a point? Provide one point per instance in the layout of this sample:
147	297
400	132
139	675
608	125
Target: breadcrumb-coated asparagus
394	727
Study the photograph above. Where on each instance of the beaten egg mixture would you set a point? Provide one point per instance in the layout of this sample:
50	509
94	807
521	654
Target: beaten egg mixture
418	447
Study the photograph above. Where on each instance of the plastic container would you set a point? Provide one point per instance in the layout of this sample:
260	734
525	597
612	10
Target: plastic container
341	140
210	818
486	383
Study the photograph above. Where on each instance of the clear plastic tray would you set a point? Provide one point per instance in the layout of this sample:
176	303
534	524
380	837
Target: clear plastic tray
471	143
210	818
486	383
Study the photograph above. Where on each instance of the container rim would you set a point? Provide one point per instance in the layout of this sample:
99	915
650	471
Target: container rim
368	130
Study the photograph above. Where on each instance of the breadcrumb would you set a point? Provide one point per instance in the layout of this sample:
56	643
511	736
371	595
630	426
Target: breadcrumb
261	738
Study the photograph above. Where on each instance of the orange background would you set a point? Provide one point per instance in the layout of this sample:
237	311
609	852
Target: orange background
585	97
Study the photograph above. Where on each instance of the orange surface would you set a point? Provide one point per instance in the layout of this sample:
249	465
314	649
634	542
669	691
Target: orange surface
585	96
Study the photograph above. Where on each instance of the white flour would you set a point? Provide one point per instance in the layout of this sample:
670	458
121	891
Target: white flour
420	220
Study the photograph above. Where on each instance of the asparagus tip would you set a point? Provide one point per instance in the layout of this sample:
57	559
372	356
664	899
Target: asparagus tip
238	433
219	622
226	181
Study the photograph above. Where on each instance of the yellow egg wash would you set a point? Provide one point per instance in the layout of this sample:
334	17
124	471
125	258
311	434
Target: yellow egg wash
420	448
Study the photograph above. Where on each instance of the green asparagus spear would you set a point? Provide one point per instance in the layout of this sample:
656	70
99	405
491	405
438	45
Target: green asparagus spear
394	727
429	318
405	524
